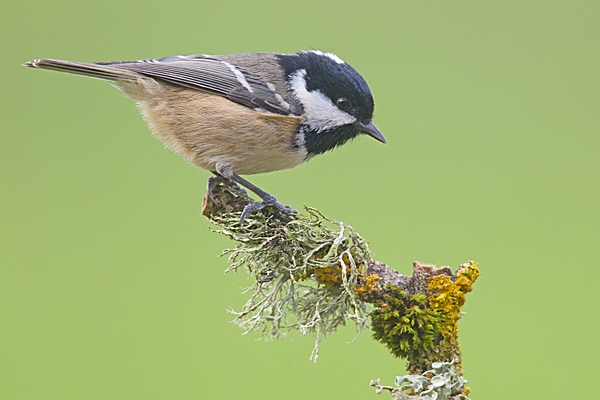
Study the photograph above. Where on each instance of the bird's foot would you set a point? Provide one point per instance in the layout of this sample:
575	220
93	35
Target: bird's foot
268	201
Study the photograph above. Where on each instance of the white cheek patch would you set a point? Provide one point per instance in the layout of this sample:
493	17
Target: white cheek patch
319	111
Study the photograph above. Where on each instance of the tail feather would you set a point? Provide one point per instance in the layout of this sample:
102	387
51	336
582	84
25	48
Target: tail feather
85	69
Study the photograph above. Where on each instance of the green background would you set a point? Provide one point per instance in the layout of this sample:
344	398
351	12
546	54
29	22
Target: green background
110	285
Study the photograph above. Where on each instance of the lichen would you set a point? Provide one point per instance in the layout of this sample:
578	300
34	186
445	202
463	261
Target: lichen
448	297
444	381
367	287
308	271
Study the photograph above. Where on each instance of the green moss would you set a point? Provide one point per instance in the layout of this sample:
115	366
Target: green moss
424	328
405	325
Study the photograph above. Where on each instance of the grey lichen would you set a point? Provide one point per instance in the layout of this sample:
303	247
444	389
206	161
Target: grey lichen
306	270
444	381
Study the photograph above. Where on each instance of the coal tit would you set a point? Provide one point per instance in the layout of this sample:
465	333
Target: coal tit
242	114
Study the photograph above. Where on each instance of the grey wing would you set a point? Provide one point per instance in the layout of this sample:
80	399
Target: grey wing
202	72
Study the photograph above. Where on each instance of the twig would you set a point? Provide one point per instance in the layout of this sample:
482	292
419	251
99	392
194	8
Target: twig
313	274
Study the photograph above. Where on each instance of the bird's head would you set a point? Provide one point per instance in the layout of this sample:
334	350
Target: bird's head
337	102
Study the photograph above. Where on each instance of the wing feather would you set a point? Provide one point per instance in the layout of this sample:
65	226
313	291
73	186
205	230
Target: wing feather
201	72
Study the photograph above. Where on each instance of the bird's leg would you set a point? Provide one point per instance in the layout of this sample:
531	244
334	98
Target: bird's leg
267	199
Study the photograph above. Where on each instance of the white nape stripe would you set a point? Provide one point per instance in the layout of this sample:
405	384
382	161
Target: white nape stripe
240	77
319	111
330	55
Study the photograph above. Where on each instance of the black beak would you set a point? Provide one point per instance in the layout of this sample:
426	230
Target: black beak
371	130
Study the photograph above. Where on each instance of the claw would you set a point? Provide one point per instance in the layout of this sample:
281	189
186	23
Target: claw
268	201
249	209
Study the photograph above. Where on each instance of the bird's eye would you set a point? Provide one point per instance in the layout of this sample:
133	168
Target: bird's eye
343	104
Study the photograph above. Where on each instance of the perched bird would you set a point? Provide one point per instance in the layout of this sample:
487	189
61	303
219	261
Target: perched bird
242	114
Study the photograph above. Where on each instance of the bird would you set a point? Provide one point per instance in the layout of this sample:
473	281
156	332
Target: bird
242	114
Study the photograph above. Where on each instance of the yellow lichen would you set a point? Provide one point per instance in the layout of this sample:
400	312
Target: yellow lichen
368	285
332	275
449	297
329	276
